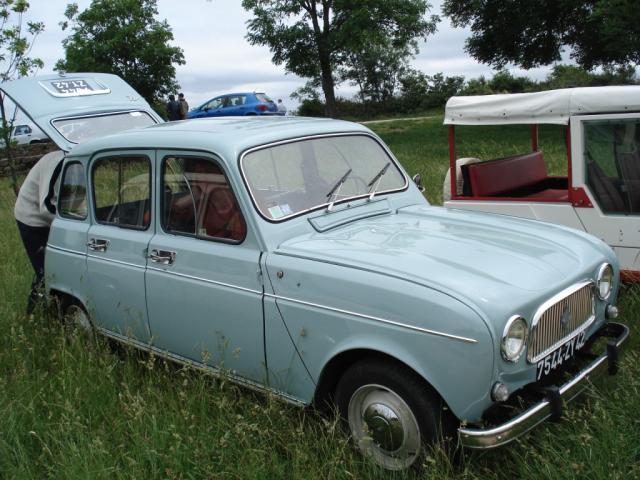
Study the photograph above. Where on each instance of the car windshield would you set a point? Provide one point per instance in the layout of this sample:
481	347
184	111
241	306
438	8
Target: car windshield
298	176
81	129
263	97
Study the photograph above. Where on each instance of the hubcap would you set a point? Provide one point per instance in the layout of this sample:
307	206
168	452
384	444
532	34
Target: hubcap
384	427
78	317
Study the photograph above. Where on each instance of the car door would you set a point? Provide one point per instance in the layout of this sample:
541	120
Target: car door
204	290
606	153
117	243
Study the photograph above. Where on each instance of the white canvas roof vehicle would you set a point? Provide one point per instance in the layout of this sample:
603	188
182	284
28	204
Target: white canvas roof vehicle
600	193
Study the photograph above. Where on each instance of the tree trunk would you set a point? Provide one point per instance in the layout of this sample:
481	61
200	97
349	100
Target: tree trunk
324	54
326	74
6	136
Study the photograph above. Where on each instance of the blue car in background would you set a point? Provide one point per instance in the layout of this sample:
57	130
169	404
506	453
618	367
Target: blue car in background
236	104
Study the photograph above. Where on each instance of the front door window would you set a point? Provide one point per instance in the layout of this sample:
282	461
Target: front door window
199	201
612	161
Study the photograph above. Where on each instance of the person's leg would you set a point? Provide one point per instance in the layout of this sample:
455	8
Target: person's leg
34	240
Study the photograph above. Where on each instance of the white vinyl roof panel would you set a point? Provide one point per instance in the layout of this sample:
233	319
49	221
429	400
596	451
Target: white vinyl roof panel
551	106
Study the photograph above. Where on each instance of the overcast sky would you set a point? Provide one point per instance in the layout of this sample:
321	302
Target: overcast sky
219	59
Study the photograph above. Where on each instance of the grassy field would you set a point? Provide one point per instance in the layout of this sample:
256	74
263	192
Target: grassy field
73	406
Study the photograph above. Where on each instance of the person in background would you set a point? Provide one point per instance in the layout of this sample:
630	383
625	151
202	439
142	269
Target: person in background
184	106
282	109
34	211
173	109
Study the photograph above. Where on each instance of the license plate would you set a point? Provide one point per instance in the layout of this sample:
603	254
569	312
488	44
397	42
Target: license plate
560	355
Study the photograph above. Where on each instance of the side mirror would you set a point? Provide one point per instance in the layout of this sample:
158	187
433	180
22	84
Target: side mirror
417	179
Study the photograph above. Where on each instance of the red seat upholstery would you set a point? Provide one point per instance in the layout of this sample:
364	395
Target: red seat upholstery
508	175
222	217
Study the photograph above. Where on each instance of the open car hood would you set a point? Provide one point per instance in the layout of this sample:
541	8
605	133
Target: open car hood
60	105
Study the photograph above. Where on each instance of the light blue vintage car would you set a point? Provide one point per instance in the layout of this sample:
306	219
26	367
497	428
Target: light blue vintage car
295	255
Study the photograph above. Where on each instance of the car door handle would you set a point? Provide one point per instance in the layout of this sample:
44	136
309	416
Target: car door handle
98	244
163	257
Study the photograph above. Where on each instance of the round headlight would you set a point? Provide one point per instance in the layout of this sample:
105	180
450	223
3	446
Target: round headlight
604	281
514	338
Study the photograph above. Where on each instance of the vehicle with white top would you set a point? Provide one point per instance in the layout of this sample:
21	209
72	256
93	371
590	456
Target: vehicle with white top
600	194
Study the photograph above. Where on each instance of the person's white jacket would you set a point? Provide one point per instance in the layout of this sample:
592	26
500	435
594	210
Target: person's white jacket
36	201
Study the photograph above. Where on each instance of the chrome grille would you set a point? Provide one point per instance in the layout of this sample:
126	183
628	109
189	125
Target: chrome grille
559	319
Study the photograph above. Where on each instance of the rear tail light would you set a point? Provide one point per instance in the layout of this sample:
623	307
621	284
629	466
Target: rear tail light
262	108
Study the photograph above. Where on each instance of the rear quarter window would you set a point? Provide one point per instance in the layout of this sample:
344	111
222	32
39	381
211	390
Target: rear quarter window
72	202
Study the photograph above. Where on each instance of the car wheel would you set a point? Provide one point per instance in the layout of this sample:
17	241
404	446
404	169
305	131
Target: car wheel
390	411
75	317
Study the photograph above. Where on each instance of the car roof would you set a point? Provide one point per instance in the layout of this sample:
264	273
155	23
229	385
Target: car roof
239	93
550	106
226	136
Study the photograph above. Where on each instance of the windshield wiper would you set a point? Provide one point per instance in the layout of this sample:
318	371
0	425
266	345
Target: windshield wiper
375	181
336	188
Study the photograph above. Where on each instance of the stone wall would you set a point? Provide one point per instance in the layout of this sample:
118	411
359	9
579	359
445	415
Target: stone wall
26	156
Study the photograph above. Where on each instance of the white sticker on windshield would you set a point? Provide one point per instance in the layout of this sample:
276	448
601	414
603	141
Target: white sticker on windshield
276	212
135	114
286	209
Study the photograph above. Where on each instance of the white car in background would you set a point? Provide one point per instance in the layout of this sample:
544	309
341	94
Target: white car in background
600	194
26	135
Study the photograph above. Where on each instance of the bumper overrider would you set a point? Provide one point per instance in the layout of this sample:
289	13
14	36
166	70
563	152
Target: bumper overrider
551	406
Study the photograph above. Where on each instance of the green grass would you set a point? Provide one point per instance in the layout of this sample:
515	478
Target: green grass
73	406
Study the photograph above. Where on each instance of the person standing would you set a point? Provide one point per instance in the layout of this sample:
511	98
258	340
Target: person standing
34	212
282	109
173	109
184	106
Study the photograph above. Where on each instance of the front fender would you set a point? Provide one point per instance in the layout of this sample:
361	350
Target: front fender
330	309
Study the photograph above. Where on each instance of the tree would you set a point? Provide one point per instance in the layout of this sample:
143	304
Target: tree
125	38
420	91
375	70
314	38
530	33
504	82
567	76
16	40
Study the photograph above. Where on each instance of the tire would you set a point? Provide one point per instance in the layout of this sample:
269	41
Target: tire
76	318
391	412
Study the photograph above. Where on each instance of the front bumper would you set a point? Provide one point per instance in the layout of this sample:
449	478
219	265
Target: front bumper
551	406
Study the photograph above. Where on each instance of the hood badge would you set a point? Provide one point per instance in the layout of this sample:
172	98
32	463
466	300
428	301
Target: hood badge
565	318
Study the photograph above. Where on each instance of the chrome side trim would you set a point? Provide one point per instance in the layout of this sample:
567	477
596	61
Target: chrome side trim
215	371
477	438
375	319
205	280
66	250
119	262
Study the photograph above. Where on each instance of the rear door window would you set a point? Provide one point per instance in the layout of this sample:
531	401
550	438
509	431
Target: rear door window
122	191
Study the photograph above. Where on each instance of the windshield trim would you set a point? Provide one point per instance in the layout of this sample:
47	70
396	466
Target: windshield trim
95	115
392	159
